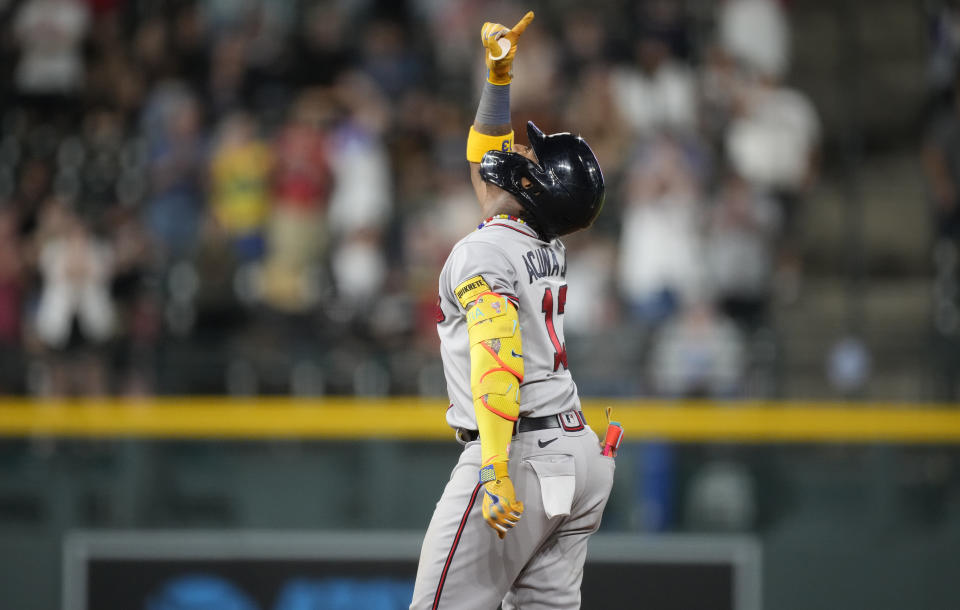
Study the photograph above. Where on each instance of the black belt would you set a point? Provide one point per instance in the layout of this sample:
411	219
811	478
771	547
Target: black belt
531	424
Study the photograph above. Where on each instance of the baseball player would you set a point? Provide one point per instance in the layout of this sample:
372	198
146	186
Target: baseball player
531	484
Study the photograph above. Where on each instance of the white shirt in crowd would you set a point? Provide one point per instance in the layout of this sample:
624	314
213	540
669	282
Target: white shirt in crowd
76	285
50	33
756	33
665	99
660	248
771	144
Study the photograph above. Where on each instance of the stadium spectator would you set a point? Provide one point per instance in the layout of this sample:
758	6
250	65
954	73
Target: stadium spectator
175	204
240	172
75	312
773	139
657	92
360	203
699	353
739	248
50	34
659	265
297	232
773	142
756	34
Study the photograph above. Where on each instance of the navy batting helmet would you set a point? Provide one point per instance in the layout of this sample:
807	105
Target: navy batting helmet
564	189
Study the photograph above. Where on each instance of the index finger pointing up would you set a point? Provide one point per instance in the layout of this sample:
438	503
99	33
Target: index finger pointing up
522	24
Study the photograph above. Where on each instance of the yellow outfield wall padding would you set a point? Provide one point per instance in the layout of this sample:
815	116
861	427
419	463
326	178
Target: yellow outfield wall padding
423	419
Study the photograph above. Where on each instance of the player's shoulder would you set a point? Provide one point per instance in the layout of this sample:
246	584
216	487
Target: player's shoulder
501	242
487	240
472	252
482	251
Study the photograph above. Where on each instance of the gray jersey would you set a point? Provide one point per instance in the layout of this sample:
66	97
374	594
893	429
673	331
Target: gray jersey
557	471
507	256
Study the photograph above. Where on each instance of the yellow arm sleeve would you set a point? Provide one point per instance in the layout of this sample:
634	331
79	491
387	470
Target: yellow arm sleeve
496	371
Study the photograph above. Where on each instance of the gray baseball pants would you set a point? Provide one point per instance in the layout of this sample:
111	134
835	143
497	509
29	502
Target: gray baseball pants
564	483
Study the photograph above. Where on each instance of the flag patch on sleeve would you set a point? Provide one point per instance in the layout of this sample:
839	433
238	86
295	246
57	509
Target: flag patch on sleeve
468	291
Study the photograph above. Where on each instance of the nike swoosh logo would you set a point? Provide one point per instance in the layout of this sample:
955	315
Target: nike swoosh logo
544	444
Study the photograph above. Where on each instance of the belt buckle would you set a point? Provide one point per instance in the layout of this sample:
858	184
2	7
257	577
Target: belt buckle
571	421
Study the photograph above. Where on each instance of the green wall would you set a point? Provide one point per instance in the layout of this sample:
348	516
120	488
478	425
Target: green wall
842	527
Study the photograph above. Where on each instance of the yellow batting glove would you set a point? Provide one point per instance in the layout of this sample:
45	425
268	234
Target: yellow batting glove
501	509
500	44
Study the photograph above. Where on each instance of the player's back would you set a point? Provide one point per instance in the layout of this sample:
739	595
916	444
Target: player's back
506	256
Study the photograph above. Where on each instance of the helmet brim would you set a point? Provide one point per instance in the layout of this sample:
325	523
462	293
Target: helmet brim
535	136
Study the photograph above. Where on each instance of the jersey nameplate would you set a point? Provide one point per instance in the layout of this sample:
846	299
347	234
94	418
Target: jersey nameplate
543	262
468	291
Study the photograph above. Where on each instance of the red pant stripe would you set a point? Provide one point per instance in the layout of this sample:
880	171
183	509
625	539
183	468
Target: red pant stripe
453	549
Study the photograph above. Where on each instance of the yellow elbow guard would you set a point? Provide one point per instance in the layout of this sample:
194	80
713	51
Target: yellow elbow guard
478	144
496	371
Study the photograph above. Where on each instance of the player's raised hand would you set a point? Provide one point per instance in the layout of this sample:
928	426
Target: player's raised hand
500	44
501	509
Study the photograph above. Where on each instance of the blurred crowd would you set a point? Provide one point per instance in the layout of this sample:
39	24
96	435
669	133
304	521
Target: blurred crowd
941	165
256	196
